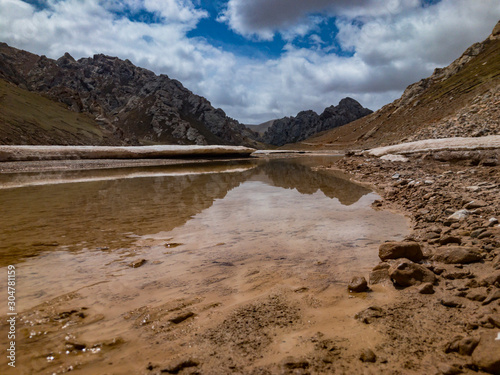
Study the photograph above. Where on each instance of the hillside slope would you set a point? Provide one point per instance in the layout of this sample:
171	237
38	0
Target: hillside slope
28	118
124	99
462	99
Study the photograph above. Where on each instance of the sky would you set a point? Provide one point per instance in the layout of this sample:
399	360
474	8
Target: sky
261	59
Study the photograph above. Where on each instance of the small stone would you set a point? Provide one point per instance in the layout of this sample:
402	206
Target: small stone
486	234
358	284
291	363
367	355
380	273
451	302
137	263
457	216
426	288
493	296
446	369
449	239
370	314
395	176
473	188
492	222
486	356
395	250
457	255
478	294
491	279
475	204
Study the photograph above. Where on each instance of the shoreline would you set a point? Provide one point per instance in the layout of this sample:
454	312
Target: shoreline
447	320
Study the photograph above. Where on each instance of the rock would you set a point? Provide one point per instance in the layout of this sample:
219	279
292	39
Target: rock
461	345
367	355
492	222
358	284
446	369
426	288
380	273
494	320
370	314
486	356
478	294
475	204
450	239
459	215
491	279
486	234
406	273
176	369
291	363
493	296
451	301
396	250
394	158
182	317
137	263
457	255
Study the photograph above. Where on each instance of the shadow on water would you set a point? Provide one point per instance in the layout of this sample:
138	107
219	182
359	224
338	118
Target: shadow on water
109	209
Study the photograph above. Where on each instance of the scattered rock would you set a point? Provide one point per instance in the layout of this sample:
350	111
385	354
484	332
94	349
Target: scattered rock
457	255
493	296
367	355
449	239
291	363
137	263
181	366
461	345
486	356
370	314
446	369
456	217
475	204
380	273
478	294
182	317
406	273
358	284
450	301
426	288
491	279
396	250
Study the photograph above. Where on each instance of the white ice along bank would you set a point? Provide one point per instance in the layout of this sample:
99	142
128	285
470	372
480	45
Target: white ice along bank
30	153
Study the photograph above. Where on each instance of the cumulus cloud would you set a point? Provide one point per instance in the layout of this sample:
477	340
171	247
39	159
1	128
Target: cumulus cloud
392	44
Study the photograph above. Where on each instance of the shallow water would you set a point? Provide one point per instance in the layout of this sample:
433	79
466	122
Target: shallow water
219	233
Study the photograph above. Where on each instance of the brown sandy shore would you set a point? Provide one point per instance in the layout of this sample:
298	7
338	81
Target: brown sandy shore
446	319
436	314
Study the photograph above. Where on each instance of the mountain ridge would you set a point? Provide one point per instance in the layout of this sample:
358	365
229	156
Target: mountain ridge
133	104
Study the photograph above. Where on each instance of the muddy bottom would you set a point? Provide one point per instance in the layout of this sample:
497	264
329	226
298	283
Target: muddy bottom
233	268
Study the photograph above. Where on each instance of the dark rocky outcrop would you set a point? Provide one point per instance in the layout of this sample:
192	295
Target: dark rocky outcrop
308	123
134	104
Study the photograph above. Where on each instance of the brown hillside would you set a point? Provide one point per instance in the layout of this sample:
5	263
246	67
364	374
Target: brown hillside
462	99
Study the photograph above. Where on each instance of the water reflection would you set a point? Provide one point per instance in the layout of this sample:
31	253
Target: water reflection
109	209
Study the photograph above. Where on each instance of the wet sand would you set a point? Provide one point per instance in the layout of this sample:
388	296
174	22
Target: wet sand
249	277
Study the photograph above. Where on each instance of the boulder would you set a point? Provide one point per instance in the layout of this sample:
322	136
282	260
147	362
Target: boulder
486	356
406	273
396	250
457	255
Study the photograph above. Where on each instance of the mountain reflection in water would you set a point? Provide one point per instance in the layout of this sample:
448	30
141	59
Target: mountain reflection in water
109	209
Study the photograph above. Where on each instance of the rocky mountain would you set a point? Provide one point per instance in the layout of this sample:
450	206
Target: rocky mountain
130	105
461	99
308	123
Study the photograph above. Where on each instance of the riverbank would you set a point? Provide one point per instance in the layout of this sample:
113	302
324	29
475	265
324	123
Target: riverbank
446	319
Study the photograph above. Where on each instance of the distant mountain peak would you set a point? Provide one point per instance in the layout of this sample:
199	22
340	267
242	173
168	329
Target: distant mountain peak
307	123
